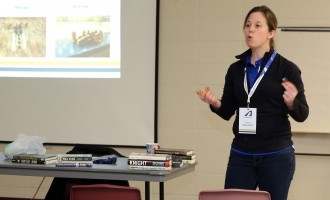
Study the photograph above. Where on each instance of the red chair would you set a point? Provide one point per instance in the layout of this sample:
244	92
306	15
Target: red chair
104	192
234	194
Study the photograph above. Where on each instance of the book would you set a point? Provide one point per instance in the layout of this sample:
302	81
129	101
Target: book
138	162
193	161
75	157
174	151
34	161
177	164
76	164
34	158
74	161
148	156
184	157
156	168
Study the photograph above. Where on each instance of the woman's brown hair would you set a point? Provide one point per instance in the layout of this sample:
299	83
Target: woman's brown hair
270	18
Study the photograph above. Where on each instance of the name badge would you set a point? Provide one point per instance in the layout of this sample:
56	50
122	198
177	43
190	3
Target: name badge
247	121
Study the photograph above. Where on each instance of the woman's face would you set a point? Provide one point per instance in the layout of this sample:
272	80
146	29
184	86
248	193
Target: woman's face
257	34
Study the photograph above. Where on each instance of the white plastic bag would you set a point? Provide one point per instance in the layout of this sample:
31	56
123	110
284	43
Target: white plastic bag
25	144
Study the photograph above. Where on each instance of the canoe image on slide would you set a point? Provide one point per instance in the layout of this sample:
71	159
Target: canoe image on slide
88	38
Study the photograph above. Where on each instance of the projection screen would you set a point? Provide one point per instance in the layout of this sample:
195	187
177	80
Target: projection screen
81	71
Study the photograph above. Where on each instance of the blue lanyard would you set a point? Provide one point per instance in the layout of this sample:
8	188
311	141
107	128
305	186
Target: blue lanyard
261	75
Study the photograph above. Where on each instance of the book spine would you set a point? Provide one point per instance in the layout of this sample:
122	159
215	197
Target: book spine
189	161
29	161
144	157
71	161
183	157
177	164
75	155
149	168
17	157
171	152
75	158
149	163
73	164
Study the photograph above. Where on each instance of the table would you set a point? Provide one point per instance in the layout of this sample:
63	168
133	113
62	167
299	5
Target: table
119	171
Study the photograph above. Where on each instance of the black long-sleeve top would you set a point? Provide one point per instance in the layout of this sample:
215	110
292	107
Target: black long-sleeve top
273	131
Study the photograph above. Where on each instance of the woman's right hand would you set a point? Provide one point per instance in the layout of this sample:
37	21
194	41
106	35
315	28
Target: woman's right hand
207	96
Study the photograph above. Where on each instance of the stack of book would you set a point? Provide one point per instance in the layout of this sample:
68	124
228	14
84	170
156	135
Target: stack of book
185	156
146	161
74	160
34	158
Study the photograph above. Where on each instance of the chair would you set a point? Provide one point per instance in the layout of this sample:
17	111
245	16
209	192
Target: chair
234	194
104	192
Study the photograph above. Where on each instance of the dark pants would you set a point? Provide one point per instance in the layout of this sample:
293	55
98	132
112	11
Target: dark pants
271	173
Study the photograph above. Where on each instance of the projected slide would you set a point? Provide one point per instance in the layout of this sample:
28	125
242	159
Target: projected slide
67	39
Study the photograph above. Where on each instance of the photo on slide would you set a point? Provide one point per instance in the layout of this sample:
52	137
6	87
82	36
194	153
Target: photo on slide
23	37
83	36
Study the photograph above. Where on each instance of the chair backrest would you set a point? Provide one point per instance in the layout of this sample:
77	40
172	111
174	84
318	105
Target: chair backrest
95	150
233	194
104	192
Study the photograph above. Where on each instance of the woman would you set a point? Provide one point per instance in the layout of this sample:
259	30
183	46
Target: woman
263	88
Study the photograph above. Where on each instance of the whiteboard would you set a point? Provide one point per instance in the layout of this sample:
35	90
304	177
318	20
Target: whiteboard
311	52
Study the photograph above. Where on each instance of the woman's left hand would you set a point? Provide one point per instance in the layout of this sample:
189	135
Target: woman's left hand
290	93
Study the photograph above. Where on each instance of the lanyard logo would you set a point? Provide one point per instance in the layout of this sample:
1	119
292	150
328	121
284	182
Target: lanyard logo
248	114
